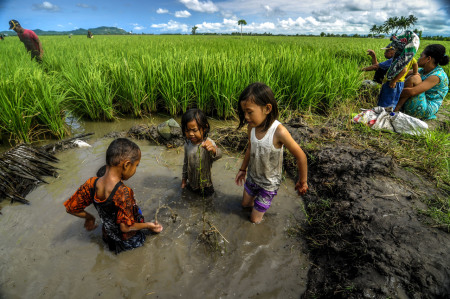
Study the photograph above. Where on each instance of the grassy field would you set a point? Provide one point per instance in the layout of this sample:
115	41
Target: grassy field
115	76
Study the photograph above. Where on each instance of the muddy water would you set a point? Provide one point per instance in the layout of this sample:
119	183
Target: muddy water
46	253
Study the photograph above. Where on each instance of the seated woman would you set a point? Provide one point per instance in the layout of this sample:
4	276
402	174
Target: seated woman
423	93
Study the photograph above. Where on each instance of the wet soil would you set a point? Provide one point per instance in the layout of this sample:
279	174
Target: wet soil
361	220
47	253
366	235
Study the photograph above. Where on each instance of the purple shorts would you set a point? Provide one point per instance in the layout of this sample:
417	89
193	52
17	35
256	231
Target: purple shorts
263	198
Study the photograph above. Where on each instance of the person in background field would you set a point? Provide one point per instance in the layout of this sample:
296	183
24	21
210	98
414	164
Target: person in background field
121	217
198	148
2	36
380	68
391	90
89	34
424	93
258	109
29	39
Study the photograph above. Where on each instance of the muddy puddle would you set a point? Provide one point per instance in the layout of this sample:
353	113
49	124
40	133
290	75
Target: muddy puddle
46	253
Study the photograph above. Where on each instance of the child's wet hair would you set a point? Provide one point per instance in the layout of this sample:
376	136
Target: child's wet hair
122	149
199	117
260	94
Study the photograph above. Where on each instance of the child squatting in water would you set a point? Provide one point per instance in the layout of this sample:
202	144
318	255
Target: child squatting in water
121	217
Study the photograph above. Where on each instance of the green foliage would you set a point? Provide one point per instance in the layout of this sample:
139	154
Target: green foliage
134	75
394	24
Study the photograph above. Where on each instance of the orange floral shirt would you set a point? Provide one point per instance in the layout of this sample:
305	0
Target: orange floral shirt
123	199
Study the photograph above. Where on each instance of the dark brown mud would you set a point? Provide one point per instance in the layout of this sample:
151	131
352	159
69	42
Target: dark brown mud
365	231
366	234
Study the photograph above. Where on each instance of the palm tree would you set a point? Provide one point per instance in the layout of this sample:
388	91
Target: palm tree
194	29
242	22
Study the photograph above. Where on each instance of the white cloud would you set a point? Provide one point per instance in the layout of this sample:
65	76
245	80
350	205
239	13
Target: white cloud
83	5
59	25
206	6
182	14
46	6
161	11
172	26
138	28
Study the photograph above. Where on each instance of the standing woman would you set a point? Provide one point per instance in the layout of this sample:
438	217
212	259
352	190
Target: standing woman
423	94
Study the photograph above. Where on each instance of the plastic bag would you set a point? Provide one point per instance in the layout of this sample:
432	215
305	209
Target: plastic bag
368	117
404	123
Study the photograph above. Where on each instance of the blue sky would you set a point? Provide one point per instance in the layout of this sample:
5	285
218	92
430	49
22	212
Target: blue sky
179	16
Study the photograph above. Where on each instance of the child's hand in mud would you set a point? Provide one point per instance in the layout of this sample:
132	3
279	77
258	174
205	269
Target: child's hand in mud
89	223
209	146
240	178
183	183
301	187
155	226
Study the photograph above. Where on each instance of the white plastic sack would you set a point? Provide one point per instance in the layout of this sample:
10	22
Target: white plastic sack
404	123
383	121
81	143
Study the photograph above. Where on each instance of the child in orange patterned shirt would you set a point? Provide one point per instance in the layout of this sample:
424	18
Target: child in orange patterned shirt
121	217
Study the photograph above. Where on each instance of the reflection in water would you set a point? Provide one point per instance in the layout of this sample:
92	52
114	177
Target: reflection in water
47	253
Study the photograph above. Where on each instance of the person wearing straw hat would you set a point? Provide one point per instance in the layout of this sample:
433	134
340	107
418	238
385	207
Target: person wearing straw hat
29	39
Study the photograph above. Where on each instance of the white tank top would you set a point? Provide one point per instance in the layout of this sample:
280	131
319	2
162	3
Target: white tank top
266	161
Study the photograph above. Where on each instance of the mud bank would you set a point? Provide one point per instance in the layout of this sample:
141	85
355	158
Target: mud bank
366	235
365	231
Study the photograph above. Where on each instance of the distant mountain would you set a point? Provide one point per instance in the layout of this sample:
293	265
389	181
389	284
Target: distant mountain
95	31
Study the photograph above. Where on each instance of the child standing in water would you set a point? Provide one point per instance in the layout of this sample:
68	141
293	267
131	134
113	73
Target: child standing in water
199	153
121	217
258	108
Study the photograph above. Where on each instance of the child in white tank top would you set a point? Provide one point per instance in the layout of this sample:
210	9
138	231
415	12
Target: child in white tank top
258	108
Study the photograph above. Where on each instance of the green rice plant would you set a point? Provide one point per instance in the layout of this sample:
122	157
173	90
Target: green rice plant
129	80
151	68
48	101
90	93
174	86
16	116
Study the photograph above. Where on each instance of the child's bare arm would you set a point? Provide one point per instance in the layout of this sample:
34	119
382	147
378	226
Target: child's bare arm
153	226
240	176
284	137
393	82
372	54
211	147
415	68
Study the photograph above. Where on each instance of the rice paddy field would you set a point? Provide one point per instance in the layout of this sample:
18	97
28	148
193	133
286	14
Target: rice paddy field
110	77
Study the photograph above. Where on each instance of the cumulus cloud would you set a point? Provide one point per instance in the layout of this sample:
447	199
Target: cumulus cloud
46	6
161	11
182	14
172	26
138	28
196	5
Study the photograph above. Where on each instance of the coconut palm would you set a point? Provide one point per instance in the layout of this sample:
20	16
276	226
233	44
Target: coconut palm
242	22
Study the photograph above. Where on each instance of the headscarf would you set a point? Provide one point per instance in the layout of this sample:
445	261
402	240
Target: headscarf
406	46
